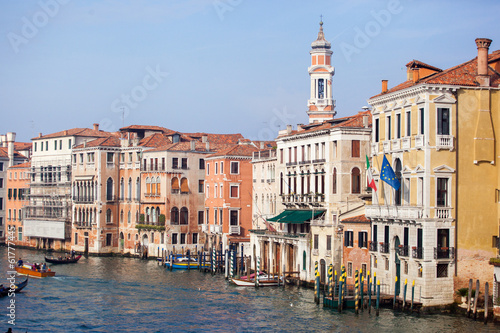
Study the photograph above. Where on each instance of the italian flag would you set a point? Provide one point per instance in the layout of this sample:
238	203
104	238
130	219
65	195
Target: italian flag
369	177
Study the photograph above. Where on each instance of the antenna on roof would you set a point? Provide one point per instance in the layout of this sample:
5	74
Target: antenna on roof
123	116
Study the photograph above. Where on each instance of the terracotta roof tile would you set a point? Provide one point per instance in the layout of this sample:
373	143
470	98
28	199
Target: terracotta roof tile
237	150
419	64
22	145
4	152
109	141
359	218
460	75
155	140
146	127
77	132
22	165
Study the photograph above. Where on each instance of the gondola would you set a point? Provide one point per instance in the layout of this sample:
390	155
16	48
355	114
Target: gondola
4	291
63	260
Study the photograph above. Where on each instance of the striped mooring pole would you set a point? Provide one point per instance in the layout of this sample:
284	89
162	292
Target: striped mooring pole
232	263
369	294
257	273
335	285
330	280
378	298
316	283
214	258
356	292
362	291
374	283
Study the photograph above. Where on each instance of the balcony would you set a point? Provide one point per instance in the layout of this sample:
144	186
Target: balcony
319	160
442	212
396	144
417	252
444	253
403	250
291	163
218	229
234	229
392	212
111	198
384	247
204	228
375	147
420	141
387	146
305	162
444	142
406	143
373	247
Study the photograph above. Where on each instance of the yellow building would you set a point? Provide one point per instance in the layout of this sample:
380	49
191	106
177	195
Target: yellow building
436	129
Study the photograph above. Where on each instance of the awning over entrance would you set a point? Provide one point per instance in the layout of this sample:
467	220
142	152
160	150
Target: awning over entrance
296	216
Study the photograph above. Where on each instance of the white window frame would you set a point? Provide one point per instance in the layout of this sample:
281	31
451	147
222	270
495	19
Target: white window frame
238	186
231	168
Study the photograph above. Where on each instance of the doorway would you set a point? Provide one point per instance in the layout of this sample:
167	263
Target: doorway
398	264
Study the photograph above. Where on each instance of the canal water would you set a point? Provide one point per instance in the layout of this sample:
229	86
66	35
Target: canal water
113	294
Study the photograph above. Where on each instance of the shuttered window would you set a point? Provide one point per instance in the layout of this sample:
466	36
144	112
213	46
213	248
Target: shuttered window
355	148
184	185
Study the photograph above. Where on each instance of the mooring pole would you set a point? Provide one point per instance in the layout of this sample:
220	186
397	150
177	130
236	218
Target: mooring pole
374	282
316	283
340	294
394	301
356	292
257	272
469	297
404	294
476	297
378	298
330	281
369	294
362	292
486	290
412	294
335	286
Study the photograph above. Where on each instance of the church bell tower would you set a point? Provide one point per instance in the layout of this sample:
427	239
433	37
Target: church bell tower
321	105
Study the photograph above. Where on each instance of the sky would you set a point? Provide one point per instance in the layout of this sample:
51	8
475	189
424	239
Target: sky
215	66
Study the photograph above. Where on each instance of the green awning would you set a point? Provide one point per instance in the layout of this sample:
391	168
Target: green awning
296	215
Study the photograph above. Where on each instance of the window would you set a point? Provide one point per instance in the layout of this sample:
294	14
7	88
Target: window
108	216
421	121
398	126
184	162
174	238
109	189
175	185
1	203
235	168
69	144
46	146
316	242
442	270
215	215
388	128
35	150
184	218
355	181
9	193
321	88
216	170
443	125
200	217
201	185
202	164
174	216
55	144
233	217
183	239
281	155
355	148
195	238
334	181
328	242
215	191
362	239
221	167
377	129
130	157
442	192
233	191
408	123
208	168
110	157
221	190
348	238
76	238
184	185
20	233
349	269
175	163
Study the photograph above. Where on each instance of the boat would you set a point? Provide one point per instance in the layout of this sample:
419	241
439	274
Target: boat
183	263
4	291
67	260
27	269
264	281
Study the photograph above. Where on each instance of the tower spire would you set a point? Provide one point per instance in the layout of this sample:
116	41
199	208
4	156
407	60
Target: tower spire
321	105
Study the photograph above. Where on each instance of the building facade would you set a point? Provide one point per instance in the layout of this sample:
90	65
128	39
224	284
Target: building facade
17	187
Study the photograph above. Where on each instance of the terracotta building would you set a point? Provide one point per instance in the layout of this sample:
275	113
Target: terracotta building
17	186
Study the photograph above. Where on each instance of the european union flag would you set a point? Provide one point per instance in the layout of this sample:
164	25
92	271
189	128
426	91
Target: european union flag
387	175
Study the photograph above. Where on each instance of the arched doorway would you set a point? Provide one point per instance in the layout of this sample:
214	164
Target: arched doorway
145	243
122	242
398	264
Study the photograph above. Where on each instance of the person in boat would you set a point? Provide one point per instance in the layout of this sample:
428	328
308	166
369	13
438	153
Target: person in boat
60	257
44	267
73	253
20	262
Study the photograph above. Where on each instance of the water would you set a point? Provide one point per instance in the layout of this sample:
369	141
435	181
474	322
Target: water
130	295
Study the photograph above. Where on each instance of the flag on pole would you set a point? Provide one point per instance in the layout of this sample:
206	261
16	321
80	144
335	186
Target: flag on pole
387	175
369	176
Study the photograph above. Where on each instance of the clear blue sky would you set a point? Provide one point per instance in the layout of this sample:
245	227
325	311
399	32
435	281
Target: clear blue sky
219	66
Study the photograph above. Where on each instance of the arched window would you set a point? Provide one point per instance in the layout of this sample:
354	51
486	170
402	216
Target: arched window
122	189
137	216
108	216
129	190
147	214
281	183
184	185
129	217
109	189
158	213
137	189
174	216
175	185
184	215
334	181
153	215
158	185
148	186
323	181
355	181
121	216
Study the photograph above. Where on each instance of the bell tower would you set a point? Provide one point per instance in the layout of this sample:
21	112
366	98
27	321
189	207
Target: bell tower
321	105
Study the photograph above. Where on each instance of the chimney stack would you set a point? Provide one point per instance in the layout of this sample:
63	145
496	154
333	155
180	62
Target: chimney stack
96	126
416	75
365	121
204	138
3	140
40	134
483	45
207	145
384	86
193	145
11	137
288	129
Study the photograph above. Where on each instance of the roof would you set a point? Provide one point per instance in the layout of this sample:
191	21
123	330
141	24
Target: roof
419	64
236	150
355	121
460	75
146	128
217	138
22	145
4	152
20	166
109	141
76	132
359	218
155	140
186	147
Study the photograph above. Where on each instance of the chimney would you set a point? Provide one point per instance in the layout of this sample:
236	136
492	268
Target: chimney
193	145
416	75
204	138
262	145
11	137
288	129
65	132
365	121
384	86
96	126
3	140
299	127
207	145
40	134
483	45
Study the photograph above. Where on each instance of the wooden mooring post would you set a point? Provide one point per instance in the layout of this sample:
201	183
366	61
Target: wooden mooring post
469	297
486	290
369	293
378	298
412	294
404	294
395	287
476	297
340	294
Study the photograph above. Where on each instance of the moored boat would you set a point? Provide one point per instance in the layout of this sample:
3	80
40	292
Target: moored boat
183	263
66	260
38	273
264	281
